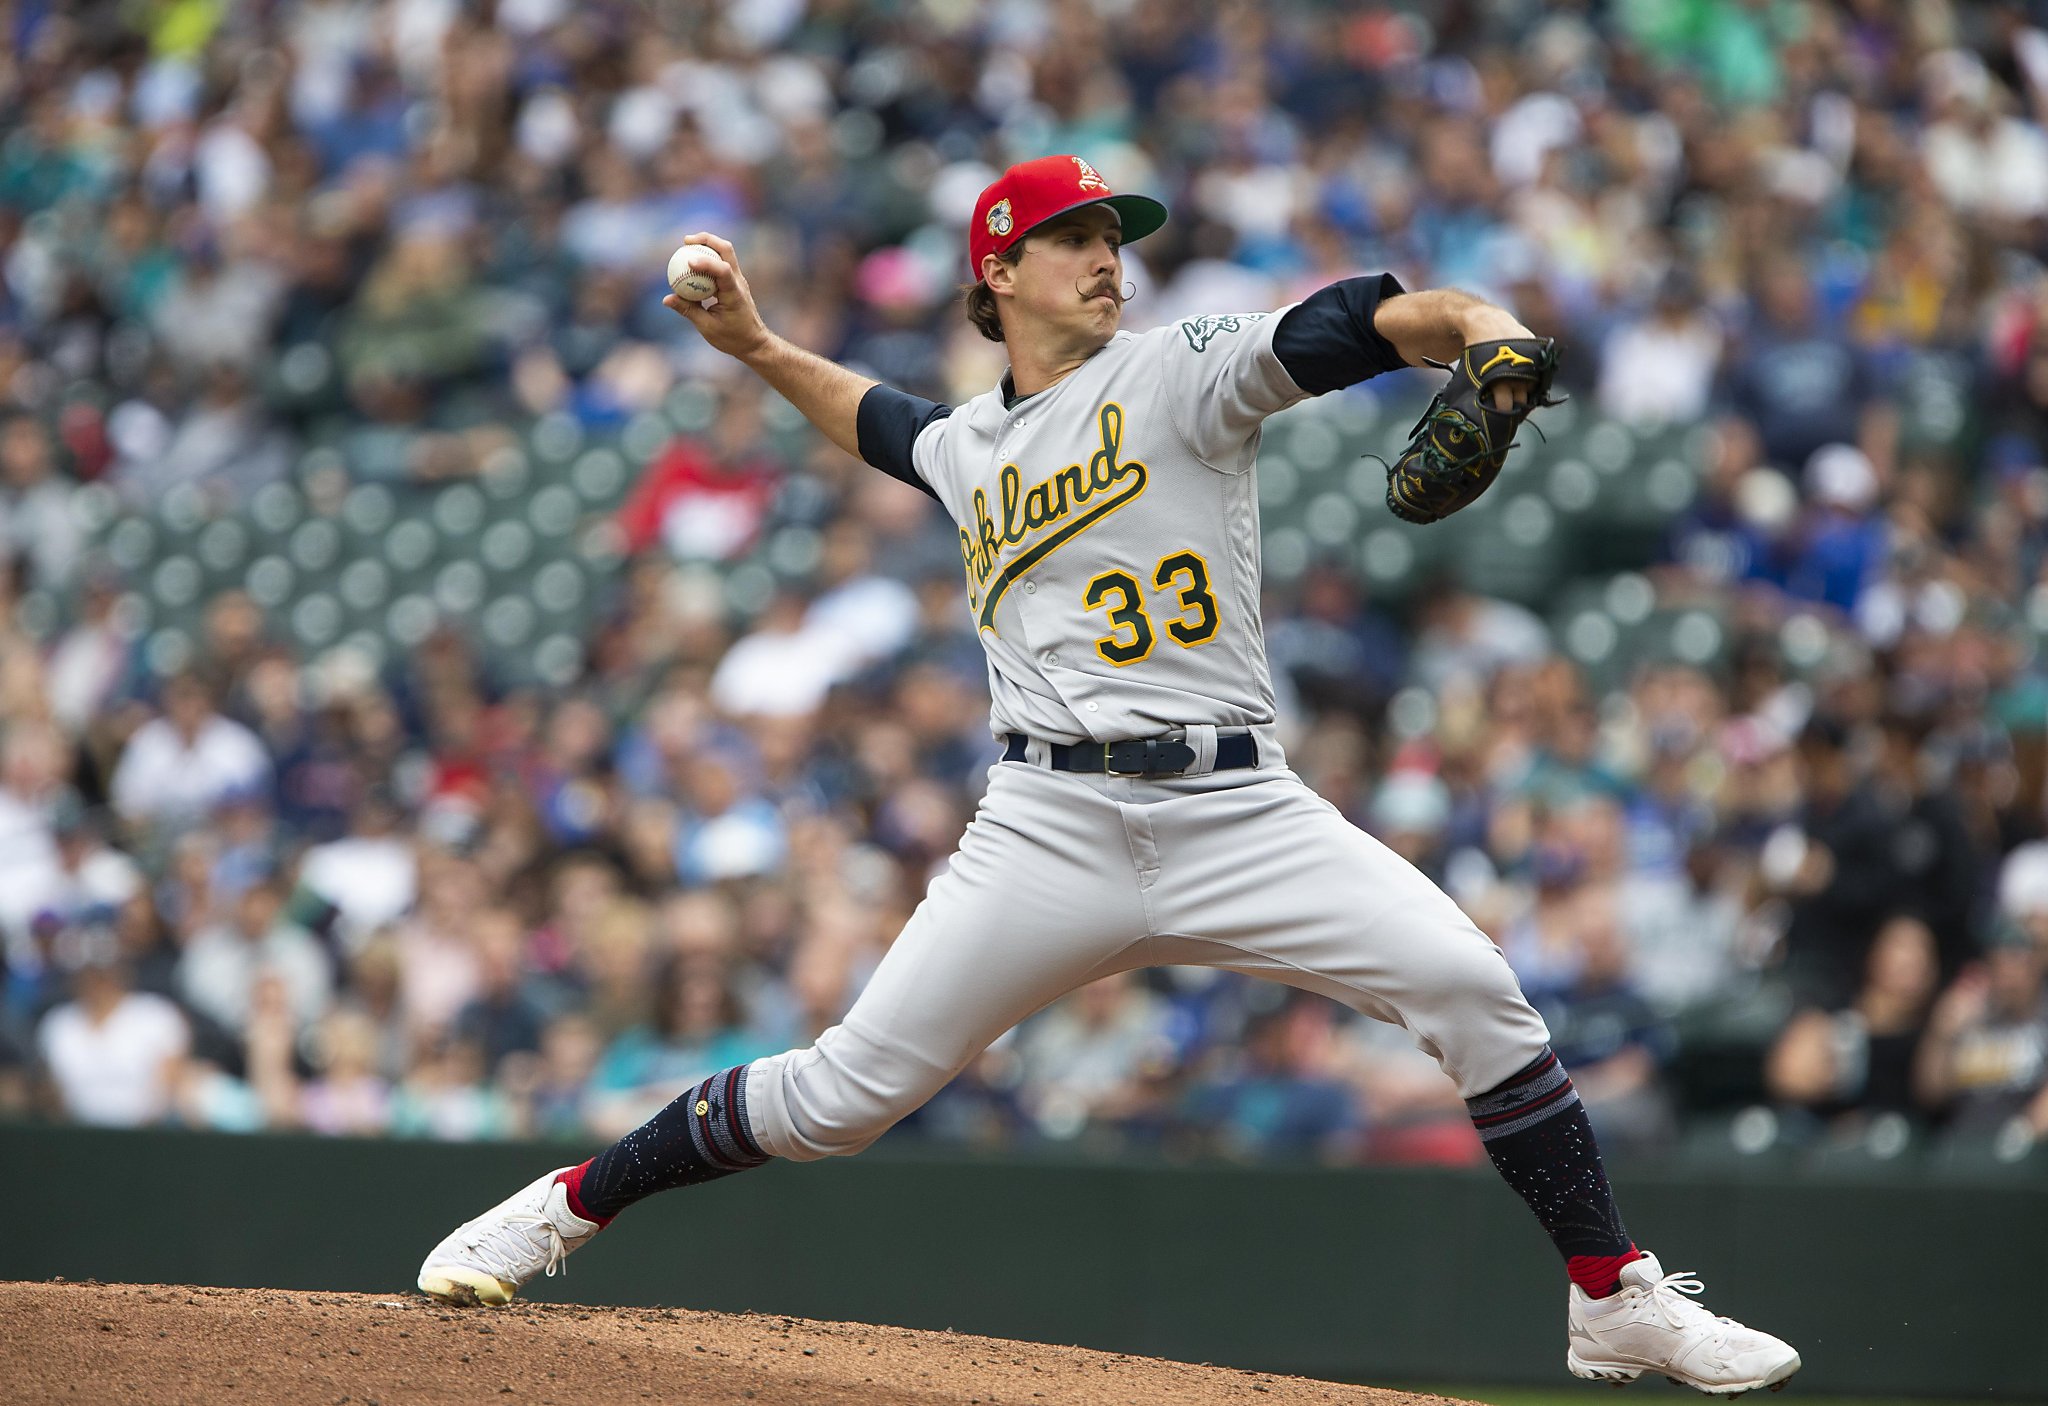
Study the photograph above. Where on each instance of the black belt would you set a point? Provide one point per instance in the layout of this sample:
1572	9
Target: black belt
1141	756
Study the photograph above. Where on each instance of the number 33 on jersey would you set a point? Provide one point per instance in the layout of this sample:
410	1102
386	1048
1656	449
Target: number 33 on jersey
1129	610
1109	531
1109	525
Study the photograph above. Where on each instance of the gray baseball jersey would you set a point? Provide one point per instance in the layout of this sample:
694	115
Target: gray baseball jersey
1109	525
1110	536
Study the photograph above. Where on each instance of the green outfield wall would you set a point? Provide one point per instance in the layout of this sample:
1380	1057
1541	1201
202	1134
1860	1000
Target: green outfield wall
1899	1286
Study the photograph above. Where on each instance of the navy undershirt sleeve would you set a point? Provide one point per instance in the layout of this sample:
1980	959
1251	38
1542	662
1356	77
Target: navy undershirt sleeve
888	424
1327	340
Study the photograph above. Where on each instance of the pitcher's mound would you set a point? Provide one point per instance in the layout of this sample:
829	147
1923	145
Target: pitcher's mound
158	1343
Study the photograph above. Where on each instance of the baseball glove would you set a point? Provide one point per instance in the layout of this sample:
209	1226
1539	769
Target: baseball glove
1456	449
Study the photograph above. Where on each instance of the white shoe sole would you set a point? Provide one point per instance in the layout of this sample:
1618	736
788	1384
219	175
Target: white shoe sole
452	1283
1616	1374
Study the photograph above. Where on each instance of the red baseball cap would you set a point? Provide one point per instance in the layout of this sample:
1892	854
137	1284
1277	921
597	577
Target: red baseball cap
1032	192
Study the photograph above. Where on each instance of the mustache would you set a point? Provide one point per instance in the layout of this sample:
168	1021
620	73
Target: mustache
1116	292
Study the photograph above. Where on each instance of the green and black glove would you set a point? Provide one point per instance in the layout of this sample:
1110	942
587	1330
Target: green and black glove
1458	446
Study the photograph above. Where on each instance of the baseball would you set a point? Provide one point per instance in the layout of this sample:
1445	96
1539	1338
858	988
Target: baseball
686	276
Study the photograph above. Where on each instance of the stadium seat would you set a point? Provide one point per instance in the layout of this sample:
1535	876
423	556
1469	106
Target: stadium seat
459	587
368	509
1331	520
364	586
1315	446
692	407
2007	1154
168	651
276	508
1885	1145
1279	483
559	587
176	582
131	544
182	510
599	476
39	614
554	440
269	581
1516	553
506	548
792	552
458	512
1388	559
1756	1140
643	437
557	661
223	550
410	619
508	622
316	620
410	546
554	511
315	545
94	508
506	473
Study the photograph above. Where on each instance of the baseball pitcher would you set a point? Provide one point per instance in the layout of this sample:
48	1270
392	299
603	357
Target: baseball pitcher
1142	812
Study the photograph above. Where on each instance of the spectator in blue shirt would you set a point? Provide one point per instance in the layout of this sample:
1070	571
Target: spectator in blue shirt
1279	1094
1617	1041
1801	386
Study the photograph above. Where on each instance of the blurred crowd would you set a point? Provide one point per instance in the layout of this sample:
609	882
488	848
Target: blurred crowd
266	887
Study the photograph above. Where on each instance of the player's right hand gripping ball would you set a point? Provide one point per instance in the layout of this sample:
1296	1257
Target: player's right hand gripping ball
1458	446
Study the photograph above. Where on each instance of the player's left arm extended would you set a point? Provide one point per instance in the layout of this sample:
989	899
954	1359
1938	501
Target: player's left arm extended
1432	327
1360	327
1227	373
1500	371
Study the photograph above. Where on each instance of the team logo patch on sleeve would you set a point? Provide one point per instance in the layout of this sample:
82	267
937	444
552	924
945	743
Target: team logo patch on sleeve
1201	330
1000	222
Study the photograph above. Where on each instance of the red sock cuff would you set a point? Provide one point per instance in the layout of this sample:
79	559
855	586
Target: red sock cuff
572	1181
1599	1275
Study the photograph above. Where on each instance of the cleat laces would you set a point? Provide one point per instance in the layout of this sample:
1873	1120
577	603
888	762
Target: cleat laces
508	1248
1681	1312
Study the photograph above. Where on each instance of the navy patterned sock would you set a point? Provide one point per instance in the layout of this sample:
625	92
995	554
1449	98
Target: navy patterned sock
1536	1132
700	1137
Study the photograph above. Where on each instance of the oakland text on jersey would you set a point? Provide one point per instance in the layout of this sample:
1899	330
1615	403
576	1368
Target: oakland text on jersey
1068	502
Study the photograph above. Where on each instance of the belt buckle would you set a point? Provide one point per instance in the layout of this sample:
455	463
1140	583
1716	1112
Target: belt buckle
1146	756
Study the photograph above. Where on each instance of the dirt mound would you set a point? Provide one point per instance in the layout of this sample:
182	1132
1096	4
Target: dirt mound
159	1343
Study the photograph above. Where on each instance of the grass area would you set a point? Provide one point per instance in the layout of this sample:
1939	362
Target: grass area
1607	1396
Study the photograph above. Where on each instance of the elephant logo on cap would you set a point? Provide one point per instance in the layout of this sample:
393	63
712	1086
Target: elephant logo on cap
999	221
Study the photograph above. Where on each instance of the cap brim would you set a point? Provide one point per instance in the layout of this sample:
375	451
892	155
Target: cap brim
1139	215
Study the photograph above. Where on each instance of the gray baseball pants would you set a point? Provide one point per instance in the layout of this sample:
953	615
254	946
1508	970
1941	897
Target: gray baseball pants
1063	878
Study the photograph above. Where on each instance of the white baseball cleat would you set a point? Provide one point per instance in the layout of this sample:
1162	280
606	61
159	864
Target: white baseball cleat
489	1259
1649	1325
